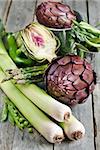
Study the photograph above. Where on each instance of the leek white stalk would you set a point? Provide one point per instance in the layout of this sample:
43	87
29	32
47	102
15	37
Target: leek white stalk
49	105
73	129
51	131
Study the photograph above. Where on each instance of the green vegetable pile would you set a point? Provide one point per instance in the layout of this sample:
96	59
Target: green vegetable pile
81	39
25	57
19	107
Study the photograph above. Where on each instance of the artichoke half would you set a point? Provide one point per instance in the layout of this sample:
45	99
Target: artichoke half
40	43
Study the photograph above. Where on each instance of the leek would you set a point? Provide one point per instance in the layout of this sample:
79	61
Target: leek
73	129
40	98
52	132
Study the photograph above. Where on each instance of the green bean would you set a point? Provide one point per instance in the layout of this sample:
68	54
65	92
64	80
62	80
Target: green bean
21	120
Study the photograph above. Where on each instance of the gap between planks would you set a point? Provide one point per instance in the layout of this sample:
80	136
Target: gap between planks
93	105
6	10
94	122
7	13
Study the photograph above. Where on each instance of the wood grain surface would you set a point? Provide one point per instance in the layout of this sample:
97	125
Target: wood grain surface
94	19
16	14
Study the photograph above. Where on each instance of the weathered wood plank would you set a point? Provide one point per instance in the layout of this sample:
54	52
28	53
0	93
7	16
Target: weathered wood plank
20	15
26	141
94	11
82	112
3	4
6	129
96	65
79	6
94	18
6	10
96	98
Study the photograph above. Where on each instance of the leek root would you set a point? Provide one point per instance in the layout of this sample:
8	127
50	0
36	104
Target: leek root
73	129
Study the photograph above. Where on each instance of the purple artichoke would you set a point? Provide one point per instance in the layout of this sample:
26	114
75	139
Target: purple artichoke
70	79
55	15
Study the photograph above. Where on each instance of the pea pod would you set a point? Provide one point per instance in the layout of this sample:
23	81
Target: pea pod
11	119
14	115
87	26
4	114
13	52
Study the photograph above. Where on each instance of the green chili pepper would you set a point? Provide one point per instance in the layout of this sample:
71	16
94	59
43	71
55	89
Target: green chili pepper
13	52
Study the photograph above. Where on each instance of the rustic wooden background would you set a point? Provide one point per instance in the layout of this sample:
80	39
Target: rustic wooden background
16	14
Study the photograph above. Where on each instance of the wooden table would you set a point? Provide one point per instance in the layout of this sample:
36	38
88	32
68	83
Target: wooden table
18	13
